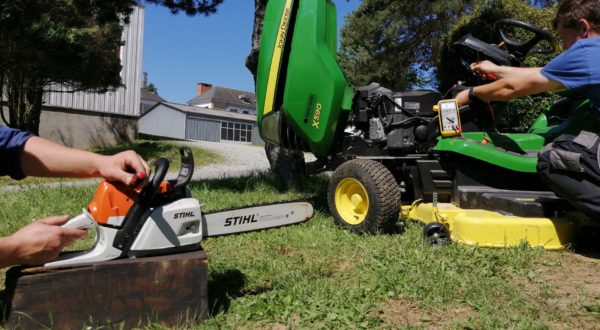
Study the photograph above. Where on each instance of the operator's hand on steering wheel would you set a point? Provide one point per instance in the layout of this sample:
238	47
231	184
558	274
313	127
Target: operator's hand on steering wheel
486	70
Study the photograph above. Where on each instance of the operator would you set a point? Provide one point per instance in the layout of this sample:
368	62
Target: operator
570	164
22	154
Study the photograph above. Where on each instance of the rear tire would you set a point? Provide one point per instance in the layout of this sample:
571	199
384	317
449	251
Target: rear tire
285	163
364	197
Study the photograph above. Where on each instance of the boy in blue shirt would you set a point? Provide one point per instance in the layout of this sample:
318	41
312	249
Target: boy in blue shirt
570	165
22	154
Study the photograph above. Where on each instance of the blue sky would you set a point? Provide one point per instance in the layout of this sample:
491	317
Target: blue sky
180	51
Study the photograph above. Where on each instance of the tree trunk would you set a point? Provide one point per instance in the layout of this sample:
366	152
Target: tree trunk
259	15
24	102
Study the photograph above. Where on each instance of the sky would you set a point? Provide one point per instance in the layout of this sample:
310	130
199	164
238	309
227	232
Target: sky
181	51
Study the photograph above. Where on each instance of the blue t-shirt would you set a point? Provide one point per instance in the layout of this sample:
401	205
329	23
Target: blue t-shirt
11	145
578	69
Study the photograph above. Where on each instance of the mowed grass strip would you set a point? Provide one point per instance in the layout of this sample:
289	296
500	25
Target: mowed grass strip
317	276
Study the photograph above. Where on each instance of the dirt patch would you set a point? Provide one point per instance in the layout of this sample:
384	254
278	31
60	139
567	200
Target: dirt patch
404	313
569	285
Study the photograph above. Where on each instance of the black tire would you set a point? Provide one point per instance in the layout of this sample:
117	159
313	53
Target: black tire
436	234
285	163
364	197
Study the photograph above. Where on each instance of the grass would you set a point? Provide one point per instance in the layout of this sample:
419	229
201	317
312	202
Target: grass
317	276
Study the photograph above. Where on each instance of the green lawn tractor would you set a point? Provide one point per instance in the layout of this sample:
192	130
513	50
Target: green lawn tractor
411	154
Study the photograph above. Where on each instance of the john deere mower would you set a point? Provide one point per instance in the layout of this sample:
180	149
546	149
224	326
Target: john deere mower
413	154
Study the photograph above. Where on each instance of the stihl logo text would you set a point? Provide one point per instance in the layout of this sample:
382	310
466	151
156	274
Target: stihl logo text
234	221
317	116
182	215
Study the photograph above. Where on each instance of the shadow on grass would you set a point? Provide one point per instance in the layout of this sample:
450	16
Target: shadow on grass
314	187
588	241
222	288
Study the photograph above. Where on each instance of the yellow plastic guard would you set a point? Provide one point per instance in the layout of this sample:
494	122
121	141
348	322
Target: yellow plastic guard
492	229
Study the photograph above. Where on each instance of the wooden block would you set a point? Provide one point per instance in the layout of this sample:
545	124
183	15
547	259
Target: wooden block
170	290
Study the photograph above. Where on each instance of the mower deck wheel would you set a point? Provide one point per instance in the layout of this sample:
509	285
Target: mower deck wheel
436	234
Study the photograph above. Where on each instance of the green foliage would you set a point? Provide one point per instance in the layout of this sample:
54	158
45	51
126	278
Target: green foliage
395	42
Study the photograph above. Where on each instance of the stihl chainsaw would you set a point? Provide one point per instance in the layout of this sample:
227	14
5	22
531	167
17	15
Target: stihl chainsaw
162	218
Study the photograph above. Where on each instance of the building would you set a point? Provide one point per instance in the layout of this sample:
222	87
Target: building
83	119
227	99
185	122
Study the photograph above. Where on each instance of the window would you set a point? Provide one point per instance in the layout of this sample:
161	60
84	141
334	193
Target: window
236	132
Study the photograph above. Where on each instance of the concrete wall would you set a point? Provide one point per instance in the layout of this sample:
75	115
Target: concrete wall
163	121
83	130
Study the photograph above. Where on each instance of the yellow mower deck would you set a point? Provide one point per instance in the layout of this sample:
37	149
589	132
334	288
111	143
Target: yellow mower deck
492	229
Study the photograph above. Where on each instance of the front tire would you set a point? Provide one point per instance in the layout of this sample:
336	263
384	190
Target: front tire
364	197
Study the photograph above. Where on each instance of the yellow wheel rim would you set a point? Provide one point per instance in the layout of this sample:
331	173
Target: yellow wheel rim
351	201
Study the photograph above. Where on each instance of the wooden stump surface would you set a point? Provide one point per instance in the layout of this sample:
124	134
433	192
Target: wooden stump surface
170	290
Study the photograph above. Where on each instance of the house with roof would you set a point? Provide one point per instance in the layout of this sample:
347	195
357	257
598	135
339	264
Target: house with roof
222	98
216	114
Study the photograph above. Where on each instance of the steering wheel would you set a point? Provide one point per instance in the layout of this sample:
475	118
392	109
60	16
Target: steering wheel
521	49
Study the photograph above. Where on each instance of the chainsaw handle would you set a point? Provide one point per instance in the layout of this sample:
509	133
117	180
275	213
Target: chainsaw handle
134	219
187	168
162	166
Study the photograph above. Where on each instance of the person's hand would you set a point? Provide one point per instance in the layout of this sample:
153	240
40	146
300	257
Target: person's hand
126	167
40	241
486	70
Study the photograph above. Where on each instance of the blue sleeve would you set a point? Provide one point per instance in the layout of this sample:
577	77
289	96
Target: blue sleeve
573	68
11	145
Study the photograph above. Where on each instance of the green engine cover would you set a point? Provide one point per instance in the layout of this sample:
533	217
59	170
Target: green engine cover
301	92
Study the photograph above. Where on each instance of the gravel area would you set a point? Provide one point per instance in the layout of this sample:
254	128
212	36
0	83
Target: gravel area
238	160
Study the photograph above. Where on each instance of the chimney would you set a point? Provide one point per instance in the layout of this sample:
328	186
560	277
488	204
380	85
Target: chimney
203	88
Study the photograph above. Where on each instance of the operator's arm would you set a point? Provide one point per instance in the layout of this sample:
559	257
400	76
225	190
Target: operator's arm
41	157
510	88
38	242
501	71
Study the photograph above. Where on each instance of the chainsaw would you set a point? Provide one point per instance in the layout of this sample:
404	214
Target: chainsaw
162	218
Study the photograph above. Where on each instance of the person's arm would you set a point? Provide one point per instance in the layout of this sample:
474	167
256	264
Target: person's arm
500	71
41	157
38	242
510	88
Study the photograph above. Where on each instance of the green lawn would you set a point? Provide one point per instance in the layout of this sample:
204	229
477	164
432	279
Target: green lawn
317	276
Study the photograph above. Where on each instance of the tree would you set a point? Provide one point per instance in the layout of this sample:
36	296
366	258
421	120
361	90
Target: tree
396	42
74	43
